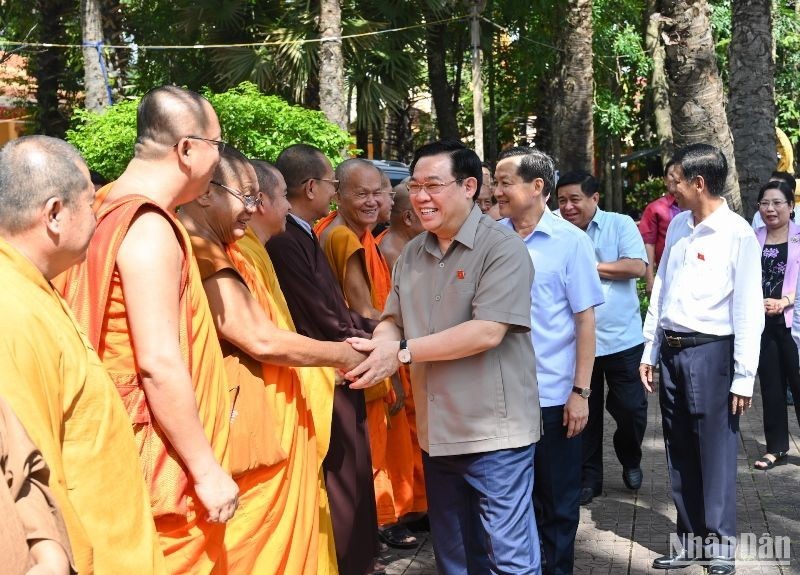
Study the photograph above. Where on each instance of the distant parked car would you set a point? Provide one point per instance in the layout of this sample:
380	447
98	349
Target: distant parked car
397	171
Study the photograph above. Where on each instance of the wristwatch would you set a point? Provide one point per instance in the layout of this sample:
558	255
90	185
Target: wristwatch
584	392
404	354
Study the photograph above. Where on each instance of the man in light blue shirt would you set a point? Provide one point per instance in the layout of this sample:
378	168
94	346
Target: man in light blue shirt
621	258
565	290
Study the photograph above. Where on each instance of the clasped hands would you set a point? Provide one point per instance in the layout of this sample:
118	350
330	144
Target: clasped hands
775	306
381	362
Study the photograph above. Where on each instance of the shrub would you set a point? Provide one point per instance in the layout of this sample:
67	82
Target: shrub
260	126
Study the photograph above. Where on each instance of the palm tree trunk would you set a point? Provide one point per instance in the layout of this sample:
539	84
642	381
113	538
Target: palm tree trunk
657	94
573	130
94	82
436	50
331	63
751	110
49	67
696	98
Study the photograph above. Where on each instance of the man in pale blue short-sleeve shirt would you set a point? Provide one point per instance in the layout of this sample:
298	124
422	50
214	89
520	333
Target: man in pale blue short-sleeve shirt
620	259
565	290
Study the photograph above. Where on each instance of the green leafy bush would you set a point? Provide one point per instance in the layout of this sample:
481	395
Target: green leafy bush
643	193
260	126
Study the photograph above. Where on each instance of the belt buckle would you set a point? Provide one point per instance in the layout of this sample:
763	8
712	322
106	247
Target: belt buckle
673	341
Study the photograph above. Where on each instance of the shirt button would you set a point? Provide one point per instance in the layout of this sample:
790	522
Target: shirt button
438	297
441	264
431	397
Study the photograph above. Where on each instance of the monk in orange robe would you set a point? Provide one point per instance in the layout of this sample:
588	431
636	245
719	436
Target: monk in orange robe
362	272
50	375
318	383
404	225
140	297
277	527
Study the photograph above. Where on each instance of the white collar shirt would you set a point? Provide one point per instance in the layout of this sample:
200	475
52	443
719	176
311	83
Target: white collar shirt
709	281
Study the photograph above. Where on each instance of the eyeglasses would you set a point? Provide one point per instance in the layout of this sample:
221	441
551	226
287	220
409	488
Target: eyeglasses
250	201
774	203
432	188
332	181
391	194
218	143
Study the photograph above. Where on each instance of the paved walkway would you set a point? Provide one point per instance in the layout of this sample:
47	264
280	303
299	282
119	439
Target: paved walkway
621	532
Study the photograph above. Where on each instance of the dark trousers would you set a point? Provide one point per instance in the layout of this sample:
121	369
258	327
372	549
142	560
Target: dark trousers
701	438
627	404
481	514
778	365
556	492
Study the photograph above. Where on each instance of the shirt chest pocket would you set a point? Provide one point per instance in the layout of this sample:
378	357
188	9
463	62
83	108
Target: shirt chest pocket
709	277
454	304
606	254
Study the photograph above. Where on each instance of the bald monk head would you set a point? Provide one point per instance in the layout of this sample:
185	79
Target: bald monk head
404	219
178	143
360	194
224	211
310	180
270	216
46	202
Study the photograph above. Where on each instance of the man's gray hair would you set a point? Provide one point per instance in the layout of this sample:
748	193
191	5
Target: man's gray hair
34	169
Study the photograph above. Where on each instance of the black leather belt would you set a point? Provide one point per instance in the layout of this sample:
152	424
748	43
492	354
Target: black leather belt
682	340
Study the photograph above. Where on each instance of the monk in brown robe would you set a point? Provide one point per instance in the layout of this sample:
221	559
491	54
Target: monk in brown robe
32	531
319	311
140	297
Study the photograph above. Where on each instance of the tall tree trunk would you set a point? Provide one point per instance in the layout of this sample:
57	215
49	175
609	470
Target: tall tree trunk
657	94
695	89
436	49
573	130
751	109
331	63
94	82
49	66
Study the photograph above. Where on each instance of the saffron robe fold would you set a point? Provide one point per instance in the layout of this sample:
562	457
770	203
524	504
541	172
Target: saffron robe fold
319	311
276	528
317	384
94	290
53	380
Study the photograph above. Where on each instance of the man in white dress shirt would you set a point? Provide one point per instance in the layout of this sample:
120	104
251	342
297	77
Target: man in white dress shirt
708	290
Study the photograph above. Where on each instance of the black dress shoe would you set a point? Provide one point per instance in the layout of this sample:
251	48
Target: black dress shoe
587	494
721	566
678	561
632	477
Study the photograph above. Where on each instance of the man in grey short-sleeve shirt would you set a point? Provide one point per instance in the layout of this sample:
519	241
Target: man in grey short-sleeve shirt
459	314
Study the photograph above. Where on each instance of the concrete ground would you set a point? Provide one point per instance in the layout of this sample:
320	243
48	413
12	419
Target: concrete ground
621	532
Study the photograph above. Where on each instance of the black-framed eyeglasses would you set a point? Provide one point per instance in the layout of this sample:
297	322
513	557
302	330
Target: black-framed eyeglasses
218	143
250	201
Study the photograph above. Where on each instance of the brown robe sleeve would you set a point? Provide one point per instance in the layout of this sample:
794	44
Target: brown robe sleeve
29	511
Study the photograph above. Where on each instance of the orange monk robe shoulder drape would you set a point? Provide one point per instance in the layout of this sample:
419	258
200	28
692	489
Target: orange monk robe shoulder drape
53	380
276	528
317	383
94	291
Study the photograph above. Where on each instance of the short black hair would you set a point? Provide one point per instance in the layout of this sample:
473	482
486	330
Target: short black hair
779	185
534	164
588	183
785	177
97	178
299	163
267	180
668	165
706	161
465	163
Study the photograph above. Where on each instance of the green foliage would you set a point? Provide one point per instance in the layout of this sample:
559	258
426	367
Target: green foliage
259	126
644	299
105	140
786	25
643	193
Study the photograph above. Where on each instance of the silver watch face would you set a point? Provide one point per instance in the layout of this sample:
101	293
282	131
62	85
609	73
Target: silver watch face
404	356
